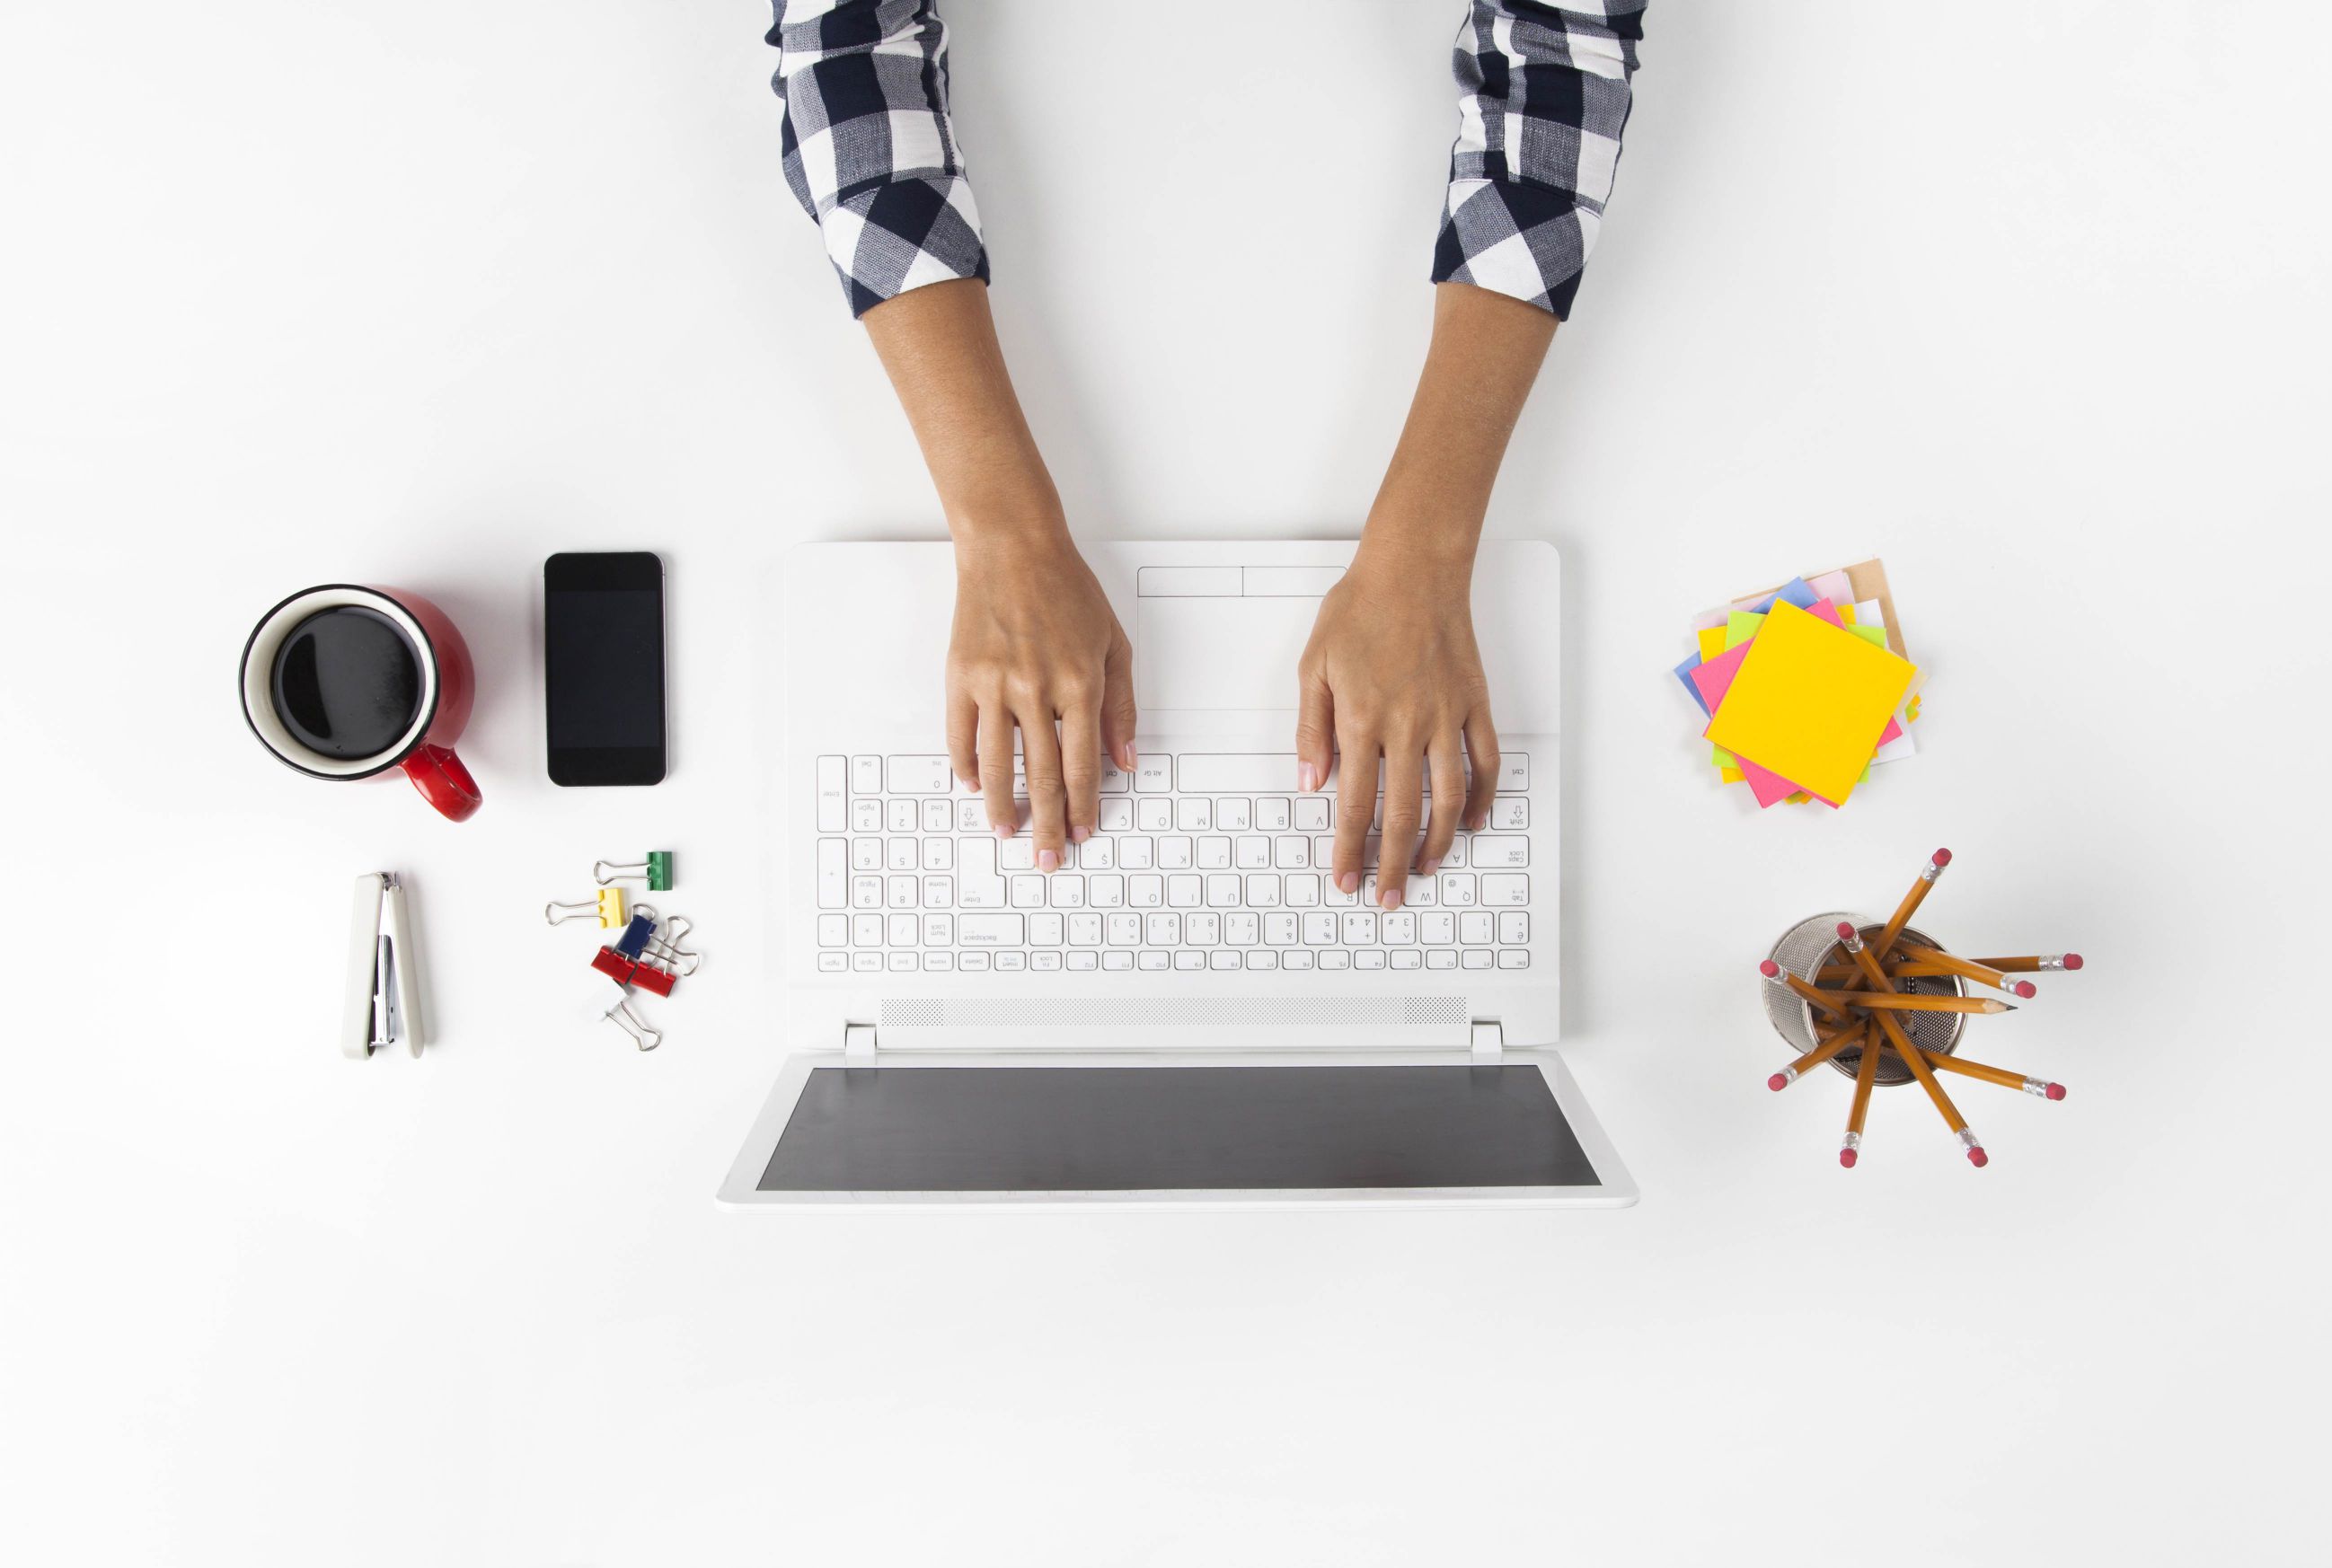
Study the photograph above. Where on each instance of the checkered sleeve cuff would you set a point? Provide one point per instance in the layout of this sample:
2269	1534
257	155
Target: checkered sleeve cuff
869	150
1544	99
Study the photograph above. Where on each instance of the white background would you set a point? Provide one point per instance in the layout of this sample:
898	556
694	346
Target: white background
2031	302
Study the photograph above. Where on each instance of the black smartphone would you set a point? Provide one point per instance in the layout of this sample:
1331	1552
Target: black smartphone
603	667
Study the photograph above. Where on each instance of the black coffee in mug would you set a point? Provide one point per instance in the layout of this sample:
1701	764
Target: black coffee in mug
346	682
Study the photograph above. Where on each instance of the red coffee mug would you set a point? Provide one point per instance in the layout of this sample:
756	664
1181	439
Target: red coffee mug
429	695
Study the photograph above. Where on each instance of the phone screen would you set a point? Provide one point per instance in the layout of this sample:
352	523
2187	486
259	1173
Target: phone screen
603	668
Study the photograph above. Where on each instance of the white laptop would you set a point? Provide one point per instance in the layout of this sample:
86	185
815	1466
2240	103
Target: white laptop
1187	1013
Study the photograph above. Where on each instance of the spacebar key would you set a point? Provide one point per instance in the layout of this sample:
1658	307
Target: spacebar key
1236	773
987	930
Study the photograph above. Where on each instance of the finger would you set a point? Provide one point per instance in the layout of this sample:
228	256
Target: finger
1315	730
1356	803
1117	711
1041	754
1404	802
963	733
996	767
1446	767
1482	746
1081	766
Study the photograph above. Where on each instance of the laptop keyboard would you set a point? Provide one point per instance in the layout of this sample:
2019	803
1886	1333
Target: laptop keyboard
1202	862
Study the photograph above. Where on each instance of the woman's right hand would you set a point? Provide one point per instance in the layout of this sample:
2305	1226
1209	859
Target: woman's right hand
1035	645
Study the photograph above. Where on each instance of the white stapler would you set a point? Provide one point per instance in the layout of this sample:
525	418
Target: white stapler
384	972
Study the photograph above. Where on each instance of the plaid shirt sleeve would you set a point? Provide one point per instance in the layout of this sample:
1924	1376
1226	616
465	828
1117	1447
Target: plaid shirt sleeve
868	150
1545	96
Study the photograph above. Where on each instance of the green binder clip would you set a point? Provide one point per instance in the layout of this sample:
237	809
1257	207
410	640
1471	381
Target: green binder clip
655	871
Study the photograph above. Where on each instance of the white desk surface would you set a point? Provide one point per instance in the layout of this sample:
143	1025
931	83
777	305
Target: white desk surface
2032	305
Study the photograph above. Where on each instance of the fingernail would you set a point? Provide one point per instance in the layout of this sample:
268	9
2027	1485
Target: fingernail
1048	860
1430	867
1349	882
1002	830
1079	835
1388	897
1307	777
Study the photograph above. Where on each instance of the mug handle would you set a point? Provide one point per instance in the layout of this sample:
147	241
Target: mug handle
443	781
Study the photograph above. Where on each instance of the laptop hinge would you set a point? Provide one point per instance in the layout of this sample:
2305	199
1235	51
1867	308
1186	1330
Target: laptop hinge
1489	1039
858	1043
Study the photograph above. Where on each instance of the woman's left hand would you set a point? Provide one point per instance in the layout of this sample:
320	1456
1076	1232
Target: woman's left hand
1392	672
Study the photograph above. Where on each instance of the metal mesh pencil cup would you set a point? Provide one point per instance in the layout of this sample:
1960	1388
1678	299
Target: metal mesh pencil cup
1805	947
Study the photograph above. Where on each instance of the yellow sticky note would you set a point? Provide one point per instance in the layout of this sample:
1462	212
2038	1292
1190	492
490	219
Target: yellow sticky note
1730	775
1712	642
1808	702
1846	614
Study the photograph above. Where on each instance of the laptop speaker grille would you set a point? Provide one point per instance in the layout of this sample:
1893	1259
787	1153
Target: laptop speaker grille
1169	1011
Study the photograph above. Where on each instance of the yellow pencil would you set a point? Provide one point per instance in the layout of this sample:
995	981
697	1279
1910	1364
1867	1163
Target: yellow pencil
1907	1001
1902	911
2041	1087
1865	1077
1831	1045
1826	1001
1981	973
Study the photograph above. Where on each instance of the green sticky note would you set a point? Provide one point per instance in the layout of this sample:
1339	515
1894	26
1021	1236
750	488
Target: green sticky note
1721	758
1874	635
1740	626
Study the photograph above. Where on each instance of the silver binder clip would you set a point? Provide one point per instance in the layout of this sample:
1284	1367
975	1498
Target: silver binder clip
384	1000
622	1016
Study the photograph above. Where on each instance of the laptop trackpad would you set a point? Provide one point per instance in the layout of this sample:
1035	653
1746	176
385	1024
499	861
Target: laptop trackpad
1219	653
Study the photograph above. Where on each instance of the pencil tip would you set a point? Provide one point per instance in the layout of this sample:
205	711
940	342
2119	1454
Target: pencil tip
2056	1091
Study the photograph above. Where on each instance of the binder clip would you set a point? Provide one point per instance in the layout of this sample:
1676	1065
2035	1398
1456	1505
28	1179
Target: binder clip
657	870
384	996
634	939
608	908
629	971
663	945
621	1015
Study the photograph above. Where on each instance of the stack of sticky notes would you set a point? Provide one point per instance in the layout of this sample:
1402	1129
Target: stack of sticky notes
1803	688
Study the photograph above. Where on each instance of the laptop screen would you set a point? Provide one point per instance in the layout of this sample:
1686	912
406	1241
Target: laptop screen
1036	1129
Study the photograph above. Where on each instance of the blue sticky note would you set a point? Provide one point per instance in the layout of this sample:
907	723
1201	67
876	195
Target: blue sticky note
1684	673
1796	591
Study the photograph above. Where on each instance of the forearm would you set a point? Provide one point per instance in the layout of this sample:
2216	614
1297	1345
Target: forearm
939	345
1485	353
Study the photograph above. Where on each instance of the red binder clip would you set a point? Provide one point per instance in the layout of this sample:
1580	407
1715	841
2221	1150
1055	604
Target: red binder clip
628	972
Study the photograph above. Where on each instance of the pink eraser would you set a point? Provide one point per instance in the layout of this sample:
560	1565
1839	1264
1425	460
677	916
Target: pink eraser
1846	1158
1777	1082
1846	929
1978	1158
1770	970
2072	960
2056	1091
1943	857
2025	988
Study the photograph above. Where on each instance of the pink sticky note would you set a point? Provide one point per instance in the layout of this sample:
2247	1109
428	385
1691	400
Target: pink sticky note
1770	788
1713	679
1827	611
